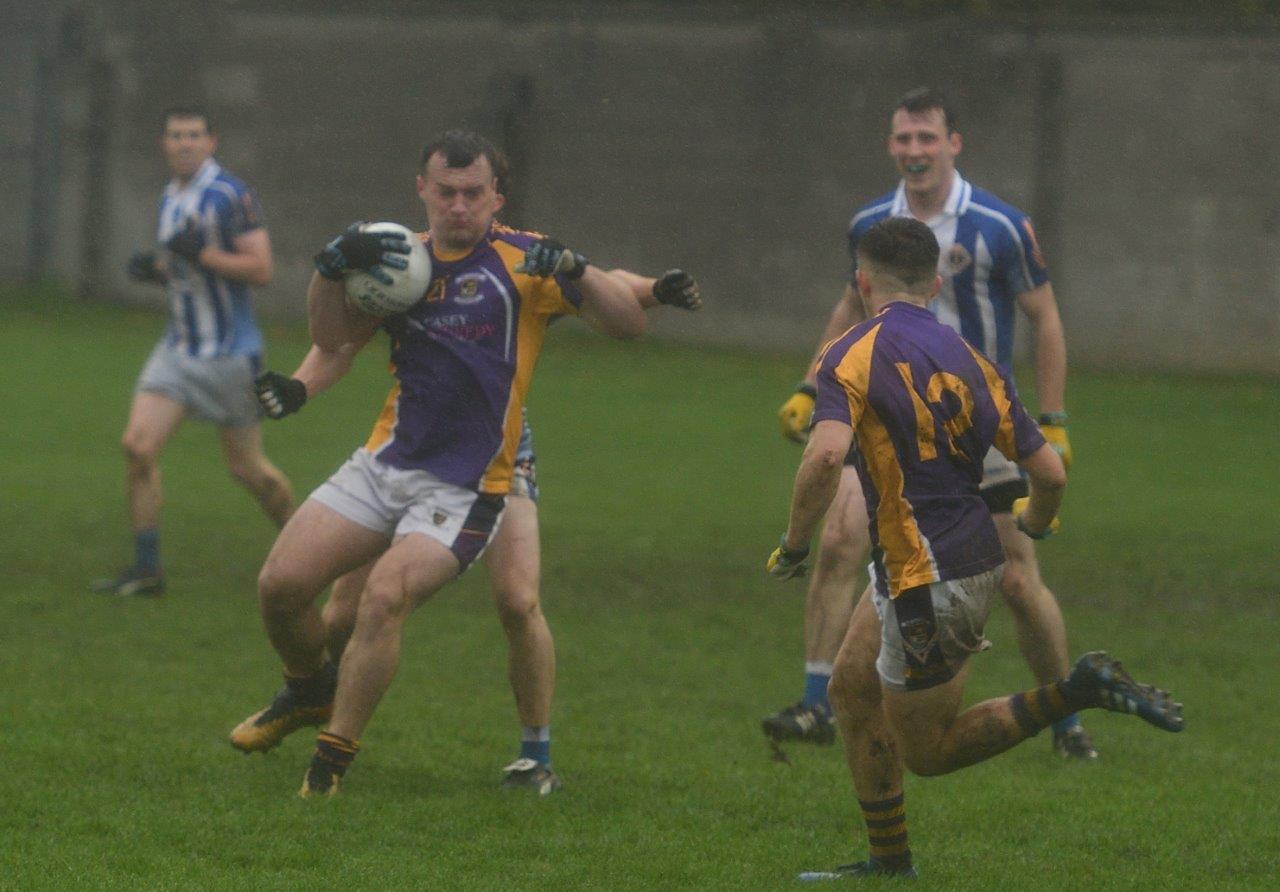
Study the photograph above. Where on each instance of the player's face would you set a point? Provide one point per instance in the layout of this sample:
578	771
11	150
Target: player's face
461	202
186	143
923	150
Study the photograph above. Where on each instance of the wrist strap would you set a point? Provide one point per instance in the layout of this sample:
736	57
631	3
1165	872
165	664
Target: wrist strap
1054	418
1022	528
807	389
794	556
580	264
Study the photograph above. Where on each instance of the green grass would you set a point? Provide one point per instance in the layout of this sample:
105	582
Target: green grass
665	485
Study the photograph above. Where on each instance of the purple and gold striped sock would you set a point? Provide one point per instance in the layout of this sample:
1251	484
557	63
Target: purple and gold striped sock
1037	709
887	831
334	753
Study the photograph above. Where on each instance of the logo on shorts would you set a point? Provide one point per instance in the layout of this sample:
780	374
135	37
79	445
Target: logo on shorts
439	518
918	636
958	259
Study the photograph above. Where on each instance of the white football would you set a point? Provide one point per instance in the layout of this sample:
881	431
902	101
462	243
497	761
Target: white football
407	285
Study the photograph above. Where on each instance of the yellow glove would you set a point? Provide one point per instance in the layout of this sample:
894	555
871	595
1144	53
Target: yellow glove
797	412
1019	506
787	564
1054	427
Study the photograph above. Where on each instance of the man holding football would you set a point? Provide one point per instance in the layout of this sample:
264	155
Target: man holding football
423	497
213	246
990	263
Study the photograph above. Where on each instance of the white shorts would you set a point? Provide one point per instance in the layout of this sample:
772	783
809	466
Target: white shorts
928	632
217	390
396	502
996	469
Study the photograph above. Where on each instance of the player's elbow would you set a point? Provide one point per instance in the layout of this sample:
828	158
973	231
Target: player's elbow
626	326
262	273
1046	469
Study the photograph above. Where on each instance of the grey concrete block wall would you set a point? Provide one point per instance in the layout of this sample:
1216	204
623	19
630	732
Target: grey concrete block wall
733	143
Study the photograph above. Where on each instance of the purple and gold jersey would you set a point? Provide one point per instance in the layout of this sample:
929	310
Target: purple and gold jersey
463	358
925	407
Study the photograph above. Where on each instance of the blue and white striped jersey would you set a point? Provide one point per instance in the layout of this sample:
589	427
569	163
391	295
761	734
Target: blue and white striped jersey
209	316
989	256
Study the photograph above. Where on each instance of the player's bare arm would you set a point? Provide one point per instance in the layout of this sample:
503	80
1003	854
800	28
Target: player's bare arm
1051	366
250	260
796	412
1041	308
674	288
332	319
1048	480
817	479
608	305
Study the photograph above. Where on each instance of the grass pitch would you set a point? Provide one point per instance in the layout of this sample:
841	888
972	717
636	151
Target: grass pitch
665	485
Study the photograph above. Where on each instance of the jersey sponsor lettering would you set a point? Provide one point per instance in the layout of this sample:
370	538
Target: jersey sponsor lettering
463	359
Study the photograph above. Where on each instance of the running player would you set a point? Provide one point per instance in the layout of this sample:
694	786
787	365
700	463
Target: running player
213	247
924	408
990	263
424	496
513	560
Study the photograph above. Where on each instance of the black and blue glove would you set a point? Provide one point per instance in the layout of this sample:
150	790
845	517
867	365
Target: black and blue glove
187	243
676	288
142	268
368	251
786	563
547	257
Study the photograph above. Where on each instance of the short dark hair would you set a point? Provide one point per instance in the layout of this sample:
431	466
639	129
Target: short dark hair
462	147
184	112
902	247
926	99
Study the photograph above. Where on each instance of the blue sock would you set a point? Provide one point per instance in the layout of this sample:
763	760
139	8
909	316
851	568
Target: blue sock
146	547
816	676
535	744
1071	721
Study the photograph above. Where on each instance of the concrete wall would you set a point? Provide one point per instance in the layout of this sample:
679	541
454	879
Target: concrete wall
735	143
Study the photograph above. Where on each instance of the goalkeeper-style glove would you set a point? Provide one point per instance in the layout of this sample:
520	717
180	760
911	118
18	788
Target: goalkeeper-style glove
797	412
363	250
547	257
279	394
142	268
1019	507
1053	425
677	288
188	243
785	563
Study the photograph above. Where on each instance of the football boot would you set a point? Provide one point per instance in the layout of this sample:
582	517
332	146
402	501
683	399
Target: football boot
530	774
868	868
1105	684
131	582
300	703
807	724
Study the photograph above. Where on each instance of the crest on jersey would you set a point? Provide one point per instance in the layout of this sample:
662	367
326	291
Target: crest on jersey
468	289
1035	243
958	259
439	518
435	293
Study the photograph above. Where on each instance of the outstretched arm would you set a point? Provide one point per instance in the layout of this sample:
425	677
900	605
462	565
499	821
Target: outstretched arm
674	288
796	412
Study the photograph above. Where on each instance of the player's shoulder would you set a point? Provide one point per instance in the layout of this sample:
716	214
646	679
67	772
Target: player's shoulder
226	188
871	213
991	206
500	233
859	338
